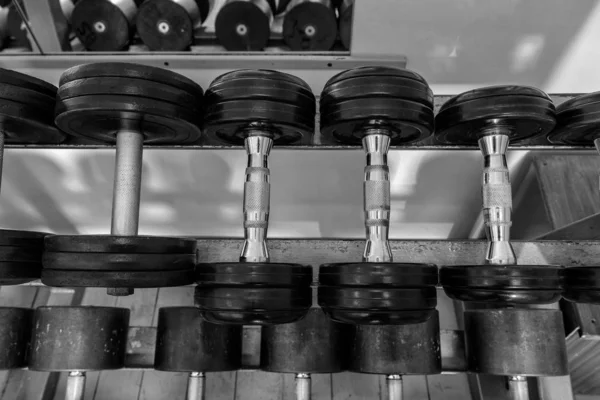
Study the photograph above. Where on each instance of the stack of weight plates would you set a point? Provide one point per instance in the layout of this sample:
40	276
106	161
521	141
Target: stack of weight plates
118	262
20	256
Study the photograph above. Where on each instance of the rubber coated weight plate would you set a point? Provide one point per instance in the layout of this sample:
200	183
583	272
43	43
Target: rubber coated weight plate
18	79
345	22
252	306
22	238
15	334
378	274
79	338
25	124
253	274
118	261
582	284
525	111
504	296
25	254
293	347
167	25
16	273
135	71
578	120
129	87
28	97
116	279
577	295
101	25
244	25
119	244
187	343
397	350
100	117
310	25
503	276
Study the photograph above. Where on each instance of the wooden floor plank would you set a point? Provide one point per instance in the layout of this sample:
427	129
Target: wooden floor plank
416	388
349	385
448	387
258	385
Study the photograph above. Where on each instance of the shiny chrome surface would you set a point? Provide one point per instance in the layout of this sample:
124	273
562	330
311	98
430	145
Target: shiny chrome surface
75	385
303	387
394	387
196	388
517	388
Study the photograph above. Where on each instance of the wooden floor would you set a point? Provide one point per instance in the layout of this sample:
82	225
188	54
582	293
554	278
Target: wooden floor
246	385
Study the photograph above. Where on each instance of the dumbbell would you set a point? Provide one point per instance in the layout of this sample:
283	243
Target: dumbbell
77	340
104	25
244	25
257	108
187	343
393	304
168	25
310	25
578	122
26	117
313	345
508	339
15	336
131	105
345	12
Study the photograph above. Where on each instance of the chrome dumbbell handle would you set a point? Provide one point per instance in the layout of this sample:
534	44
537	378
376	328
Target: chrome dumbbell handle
196	386
376	144
497	197
303	386
75	385
394	386
256	199
517	388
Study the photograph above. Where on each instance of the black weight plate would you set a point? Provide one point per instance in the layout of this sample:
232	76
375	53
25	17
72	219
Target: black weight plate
28	97
119	244
108	85
135	71
504	296
526	111
100	117
578	120
374	317
16	273
353	77
22	238
18	79
79	338
345	24
252	306
15	335
378	274
89	14
578	295
26	124
117	279
165	25
21	254
118	261
310	26
582	277
398	299
244	25
233	120
253	274
503	276
407	121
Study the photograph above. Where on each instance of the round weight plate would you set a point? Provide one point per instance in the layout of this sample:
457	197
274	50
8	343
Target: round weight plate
16	273
15	334
26	124
244	25
315	344
378	274
254	274
523	111
28	97
117	279
119	244
135	71
577	295
22	238
504	296
101	25
21	254
515	342
187	343
397	350
503	276
378	306
118	261
20	80
234	121
310	26
101	117
252	306
345	22
578	120
582	284
129	87
167	25
78	338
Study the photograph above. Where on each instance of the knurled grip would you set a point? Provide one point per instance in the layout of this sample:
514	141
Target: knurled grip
496	189
377	195
256	197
